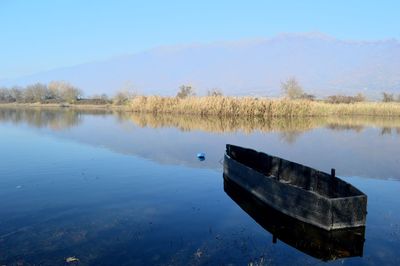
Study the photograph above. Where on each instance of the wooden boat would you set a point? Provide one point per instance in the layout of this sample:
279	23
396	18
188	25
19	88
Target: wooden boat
309	239
296	190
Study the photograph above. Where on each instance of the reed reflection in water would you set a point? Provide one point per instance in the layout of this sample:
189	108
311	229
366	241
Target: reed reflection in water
290	128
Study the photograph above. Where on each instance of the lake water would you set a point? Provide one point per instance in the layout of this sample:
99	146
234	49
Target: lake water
127	189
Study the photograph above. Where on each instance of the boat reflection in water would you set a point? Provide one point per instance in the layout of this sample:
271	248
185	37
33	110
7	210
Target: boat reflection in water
312	240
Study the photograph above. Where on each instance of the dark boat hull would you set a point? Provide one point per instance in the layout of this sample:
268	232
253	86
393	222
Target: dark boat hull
301	202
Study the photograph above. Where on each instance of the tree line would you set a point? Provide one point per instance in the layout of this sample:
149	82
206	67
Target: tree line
54	92
59	92
64	92
292	89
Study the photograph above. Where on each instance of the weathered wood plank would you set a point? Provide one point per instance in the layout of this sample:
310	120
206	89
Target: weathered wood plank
296	190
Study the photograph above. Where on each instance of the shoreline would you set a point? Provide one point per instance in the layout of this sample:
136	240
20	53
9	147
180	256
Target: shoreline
60	117
65	106
231	107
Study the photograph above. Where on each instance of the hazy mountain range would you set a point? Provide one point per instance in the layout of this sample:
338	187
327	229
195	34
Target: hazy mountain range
323	65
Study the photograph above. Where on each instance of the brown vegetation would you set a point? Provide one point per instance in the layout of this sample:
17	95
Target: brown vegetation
123	97
249	107
296	104
215	93
387	97
289	127
345	99
185	91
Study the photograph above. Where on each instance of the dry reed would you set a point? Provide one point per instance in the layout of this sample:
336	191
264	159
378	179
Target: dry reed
254	107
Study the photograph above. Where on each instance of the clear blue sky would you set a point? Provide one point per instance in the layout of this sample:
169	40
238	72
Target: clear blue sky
41	35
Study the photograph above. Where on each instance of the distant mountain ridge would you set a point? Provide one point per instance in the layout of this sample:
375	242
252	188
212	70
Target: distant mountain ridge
322	64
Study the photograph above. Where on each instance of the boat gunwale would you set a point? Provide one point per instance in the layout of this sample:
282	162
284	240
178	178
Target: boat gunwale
329	227
298	187
358	193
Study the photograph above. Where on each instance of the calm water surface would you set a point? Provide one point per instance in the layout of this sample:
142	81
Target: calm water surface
127	189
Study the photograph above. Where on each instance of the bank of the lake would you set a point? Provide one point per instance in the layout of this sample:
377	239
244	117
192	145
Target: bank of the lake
64	105
237	107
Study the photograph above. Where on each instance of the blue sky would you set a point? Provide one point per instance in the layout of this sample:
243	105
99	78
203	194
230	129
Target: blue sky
42	35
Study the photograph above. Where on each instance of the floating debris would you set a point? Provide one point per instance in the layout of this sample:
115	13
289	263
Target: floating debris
71	259
201	156
198	253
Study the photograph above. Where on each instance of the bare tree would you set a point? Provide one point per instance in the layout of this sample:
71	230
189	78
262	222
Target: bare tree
124	96
292	89
185	91
64	91
5	95
17	94
360	97
345	99
214	92
56	91
307	96
387	97
36	93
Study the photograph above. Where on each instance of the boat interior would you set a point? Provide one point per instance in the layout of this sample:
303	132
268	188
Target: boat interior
292	173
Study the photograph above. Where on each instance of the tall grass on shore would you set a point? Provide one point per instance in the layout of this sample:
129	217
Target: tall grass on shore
255	107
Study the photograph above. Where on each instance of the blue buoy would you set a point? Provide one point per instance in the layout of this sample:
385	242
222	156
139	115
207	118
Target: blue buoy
201	156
